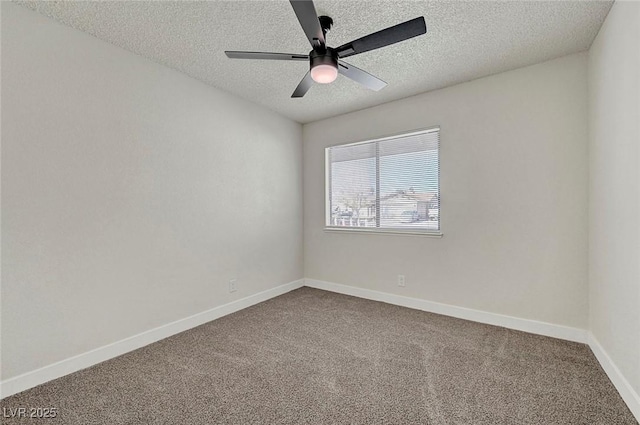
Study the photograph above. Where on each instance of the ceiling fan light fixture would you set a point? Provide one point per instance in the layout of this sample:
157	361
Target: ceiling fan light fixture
324	65
324	74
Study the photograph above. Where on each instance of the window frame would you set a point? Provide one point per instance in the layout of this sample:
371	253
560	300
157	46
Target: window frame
379	230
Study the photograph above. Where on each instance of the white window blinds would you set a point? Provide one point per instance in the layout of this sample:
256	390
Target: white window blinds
390	183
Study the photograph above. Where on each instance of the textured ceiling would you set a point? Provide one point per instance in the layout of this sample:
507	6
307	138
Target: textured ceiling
465	40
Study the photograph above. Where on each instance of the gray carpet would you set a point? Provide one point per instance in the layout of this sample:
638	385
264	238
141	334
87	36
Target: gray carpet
314	357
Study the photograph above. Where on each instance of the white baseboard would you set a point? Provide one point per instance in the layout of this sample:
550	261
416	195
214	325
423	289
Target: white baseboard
73	364
526	325
628	394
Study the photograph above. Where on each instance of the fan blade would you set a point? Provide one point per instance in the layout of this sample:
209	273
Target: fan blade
306	13
386	37
304	86
266	55
360	76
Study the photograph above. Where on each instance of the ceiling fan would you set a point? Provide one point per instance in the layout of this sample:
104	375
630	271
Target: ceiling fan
326	62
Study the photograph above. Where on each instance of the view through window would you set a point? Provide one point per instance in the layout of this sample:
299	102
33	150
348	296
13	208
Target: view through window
390	183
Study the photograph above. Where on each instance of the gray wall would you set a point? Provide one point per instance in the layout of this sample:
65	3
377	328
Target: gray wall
513	197
614	188
131	194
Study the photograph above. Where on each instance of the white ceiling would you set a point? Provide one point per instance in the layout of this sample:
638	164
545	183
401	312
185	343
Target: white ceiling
464	41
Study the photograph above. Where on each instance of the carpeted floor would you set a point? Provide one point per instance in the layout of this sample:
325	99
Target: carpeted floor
314	357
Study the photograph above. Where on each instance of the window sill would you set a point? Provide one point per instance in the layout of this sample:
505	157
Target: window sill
377	231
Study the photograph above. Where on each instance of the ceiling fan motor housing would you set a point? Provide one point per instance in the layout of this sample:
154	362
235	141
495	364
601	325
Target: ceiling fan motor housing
327	57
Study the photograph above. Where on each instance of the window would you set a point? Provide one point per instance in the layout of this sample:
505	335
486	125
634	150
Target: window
389	184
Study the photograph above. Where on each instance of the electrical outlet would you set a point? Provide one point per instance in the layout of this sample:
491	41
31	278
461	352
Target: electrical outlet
233	285
401	280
